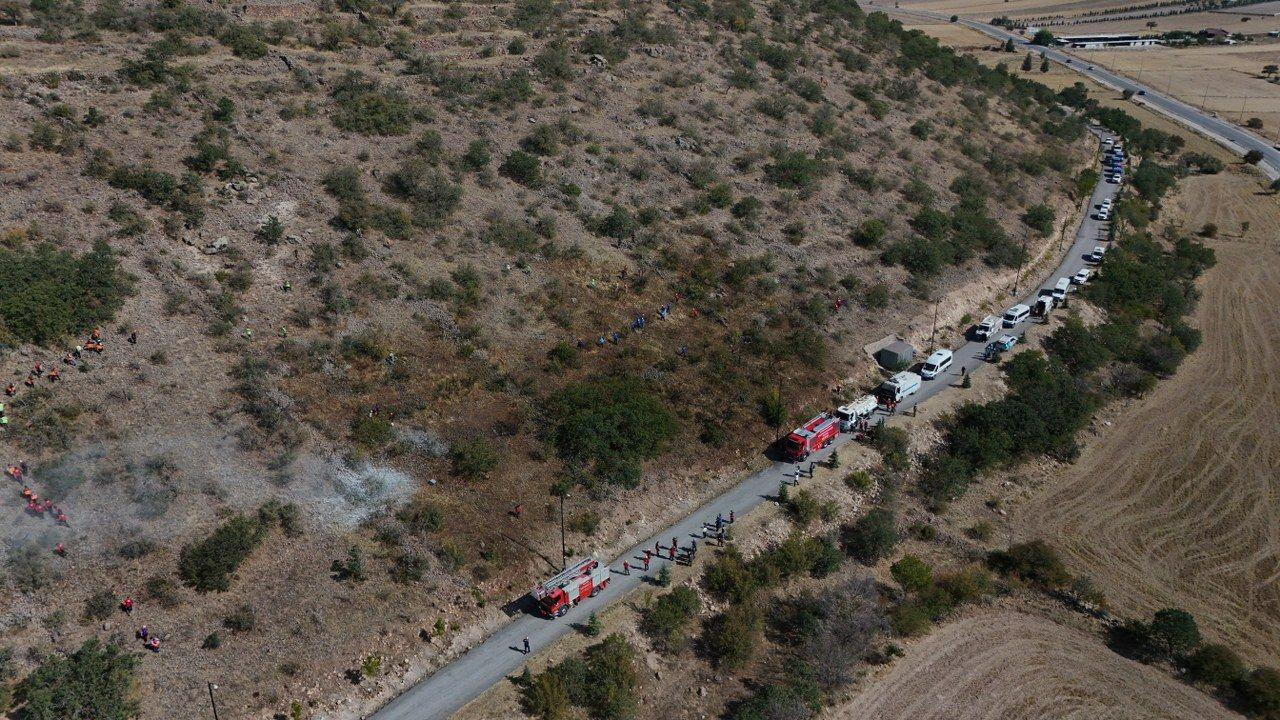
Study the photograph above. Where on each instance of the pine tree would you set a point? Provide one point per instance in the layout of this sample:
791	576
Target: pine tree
1026	63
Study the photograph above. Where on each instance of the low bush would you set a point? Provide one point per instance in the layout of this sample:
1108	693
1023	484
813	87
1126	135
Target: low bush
50	293
667	620
871	537
1033	562
365	108
210	564
730	638
95	682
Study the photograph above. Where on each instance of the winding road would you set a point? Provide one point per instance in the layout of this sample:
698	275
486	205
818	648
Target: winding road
462	680
1234	137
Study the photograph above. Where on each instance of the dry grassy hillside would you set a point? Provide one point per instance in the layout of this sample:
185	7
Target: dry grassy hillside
360	245
1007	664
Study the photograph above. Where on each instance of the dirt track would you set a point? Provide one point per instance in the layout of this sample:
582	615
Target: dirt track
1007	664
1176	505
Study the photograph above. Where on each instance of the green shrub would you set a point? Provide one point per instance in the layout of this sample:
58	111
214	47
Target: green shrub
667	620
363	107
1217	665
523	168
869	232
50	293
871	537
730	638
431	196
246	41
1259	693
603	681
477	156
618	224
892	444
793	170
912	573
100	605
730	578
1033	562
473	459
209	564
371	431
609	425
1039	218
96	682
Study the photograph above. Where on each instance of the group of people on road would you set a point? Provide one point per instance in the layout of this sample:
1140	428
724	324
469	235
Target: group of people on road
674	553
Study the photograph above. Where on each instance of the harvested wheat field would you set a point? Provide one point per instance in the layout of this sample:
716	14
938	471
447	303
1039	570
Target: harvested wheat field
1177	504
1007	664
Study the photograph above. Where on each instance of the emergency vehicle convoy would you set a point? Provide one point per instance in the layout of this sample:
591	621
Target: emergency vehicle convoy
584	579
813	435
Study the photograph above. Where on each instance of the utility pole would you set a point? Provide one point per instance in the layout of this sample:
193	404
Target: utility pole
933	333
213	703
564	549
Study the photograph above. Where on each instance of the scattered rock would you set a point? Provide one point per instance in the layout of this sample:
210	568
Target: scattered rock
597	60
702	691
218	245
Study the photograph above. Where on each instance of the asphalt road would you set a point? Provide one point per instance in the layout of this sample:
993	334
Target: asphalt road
1226	133
498	656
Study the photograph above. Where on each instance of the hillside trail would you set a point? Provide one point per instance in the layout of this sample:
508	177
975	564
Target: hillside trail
1001	663
1176	504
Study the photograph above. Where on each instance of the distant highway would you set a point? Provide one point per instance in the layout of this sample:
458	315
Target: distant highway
1234	137
465	678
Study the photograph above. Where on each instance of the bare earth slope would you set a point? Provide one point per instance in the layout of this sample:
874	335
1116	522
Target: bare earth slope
1006	664
1179	507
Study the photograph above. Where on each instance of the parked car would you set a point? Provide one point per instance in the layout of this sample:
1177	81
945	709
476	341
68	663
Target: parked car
1082	277
936	364
1096	255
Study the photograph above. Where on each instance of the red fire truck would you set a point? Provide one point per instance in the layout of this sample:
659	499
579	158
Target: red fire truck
813	435
583	579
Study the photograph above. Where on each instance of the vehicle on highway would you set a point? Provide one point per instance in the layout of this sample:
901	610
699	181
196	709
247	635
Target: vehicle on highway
1015	315
1060	289
849	415
585	578
936	364
984	329
1142	92
898	387
1081	277
813	435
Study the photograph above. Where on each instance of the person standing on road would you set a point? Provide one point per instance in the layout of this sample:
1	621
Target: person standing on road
626	568
526	645
646	561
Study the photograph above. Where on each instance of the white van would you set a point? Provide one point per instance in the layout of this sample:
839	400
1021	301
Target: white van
1060	289
986	328
1016	314
936	364
899	386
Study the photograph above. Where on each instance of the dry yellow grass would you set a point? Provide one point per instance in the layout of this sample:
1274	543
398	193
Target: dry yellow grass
1222	79
1009	665
1059	76
1177	504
